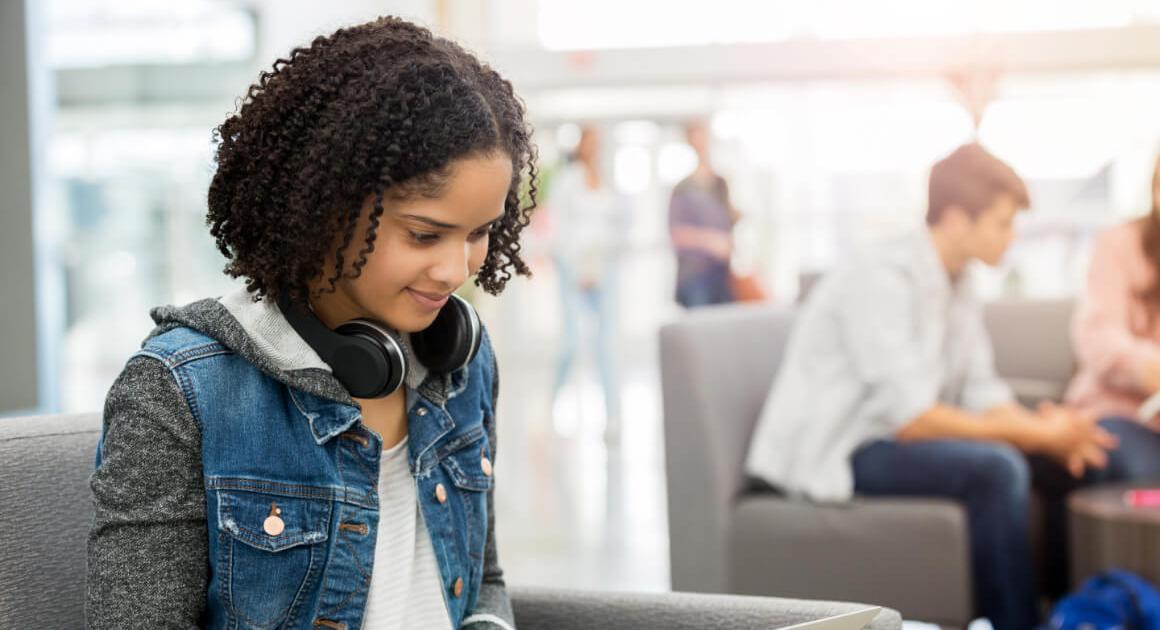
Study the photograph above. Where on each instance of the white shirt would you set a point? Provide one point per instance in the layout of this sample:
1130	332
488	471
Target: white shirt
406	591
591	224
879	342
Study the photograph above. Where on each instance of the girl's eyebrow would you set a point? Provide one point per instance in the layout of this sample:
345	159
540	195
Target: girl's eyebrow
441	225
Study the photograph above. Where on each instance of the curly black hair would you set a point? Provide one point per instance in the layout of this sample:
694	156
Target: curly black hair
380	109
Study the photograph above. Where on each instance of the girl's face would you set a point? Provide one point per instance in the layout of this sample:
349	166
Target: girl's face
424	250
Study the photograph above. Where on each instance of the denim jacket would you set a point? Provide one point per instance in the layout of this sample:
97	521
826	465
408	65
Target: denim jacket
290	445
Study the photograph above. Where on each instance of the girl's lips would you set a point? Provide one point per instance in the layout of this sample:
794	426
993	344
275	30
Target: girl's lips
429	300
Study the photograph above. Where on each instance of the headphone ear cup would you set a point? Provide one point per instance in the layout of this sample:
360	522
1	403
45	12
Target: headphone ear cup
370	363
452	340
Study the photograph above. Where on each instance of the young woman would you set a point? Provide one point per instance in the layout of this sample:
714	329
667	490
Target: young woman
315	450
1116	333
591	219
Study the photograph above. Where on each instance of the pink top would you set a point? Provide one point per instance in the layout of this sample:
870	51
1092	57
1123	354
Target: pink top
1113	337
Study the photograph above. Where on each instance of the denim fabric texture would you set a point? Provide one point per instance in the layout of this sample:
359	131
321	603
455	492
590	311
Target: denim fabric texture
289	477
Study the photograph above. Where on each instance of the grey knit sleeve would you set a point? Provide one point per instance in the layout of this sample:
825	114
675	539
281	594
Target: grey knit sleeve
147	564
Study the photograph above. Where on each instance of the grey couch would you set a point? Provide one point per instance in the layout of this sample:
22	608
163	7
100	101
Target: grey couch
45	511
717	366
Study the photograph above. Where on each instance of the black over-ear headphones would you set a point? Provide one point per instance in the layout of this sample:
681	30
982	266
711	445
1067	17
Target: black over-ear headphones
367	358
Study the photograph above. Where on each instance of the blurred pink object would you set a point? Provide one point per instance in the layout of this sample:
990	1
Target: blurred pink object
1142	498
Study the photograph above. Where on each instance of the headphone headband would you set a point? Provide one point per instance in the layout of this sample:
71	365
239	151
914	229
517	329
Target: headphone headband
368	359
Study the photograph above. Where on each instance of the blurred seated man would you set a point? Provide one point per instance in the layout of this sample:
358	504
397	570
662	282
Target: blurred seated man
888	387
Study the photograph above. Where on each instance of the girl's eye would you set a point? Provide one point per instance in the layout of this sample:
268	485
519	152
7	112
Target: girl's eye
479	234
423	238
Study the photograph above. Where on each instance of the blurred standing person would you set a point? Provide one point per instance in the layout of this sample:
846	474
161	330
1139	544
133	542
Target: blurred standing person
590	220
701	220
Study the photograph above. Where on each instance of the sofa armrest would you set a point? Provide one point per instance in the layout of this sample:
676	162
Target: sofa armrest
558	609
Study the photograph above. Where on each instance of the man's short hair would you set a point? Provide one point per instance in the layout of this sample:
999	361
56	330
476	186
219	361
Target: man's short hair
972	179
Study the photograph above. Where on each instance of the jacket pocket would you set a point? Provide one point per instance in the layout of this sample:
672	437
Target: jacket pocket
465	463
468	467
271	554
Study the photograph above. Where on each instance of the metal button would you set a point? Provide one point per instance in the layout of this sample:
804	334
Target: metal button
440	493
485	463
274	525
457	590
421	411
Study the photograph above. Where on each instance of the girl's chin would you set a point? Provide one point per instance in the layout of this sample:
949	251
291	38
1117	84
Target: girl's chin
411	322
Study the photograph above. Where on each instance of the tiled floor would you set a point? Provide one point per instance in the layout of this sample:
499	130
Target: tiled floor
577	506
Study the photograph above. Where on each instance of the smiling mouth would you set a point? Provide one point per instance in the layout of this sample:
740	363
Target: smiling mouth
430	300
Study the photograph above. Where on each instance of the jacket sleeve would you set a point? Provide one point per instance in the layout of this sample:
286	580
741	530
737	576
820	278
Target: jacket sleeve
147	564
493	608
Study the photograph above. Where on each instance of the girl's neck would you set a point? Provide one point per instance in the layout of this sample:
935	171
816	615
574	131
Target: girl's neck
332	309
386	416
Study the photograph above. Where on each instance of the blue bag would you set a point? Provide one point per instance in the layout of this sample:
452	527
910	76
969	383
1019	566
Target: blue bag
1115	600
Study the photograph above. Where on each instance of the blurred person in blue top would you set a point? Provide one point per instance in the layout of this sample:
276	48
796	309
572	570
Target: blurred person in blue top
888	387
590	223
314	450
701	220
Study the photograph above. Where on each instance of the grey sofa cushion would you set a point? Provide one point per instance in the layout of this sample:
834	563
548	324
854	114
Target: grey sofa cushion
45	513
849	551
717	365
1031	340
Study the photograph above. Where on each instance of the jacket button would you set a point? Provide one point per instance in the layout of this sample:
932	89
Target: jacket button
274	525
485	463
421	411
457	590
440	493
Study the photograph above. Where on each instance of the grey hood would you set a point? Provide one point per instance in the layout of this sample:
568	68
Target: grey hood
259	333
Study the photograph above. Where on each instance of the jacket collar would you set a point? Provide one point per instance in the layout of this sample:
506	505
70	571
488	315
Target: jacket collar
267	341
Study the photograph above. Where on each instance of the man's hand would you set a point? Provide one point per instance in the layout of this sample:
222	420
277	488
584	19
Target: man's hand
1072	438
1012	412
1150	377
